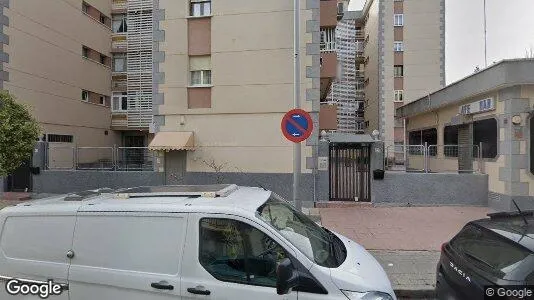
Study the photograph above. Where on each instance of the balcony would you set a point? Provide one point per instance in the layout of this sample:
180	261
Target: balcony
329	13
119	6
118	85
119	120
119	43
360	35
328	71
328	117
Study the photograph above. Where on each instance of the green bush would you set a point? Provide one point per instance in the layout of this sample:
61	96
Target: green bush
18	133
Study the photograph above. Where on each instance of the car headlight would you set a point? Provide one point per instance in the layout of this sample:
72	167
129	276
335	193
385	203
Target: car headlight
367	295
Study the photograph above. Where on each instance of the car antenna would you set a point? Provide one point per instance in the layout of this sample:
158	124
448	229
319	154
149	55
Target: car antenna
520	213
254	180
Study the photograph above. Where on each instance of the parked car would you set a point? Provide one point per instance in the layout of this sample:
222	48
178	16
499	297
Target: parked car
496	251
181	242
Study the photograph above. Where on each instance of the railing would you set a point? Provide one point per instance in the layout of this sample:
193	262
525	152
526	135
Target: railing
434	158
134	159
119	85
119	4
99	158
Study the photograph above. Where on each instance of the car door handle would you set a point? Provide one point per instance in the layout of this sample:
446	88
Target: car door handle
162	285
199	290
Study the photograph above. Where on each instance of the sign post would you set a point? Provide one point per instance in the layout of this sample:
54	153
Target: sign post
296	146
297	126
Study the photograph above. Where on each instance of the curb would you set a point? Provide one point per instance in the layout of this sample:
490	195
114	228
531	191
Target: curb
415	294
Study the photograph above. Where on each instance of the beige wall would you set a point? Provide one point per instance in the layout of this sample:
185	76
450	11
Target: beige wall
372	69
441	118
47	70
252	76
422	49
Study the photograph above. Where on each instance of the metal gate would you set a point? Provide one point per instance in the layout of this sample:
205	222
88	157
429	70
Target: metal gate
350	172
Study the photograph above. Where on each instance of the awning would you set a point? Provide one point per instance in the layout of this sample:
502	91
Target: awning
168	141
338	137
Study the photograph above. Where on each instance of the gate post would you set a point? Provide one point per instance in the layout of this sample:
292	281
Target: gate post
426	157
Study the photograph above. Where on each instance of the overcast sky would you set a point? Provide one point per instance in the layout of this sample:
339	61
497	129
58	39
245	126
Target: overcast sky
510	32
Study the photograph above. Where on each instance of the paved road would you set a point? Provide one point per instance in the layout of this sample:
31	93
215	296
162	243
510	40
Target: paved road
400	228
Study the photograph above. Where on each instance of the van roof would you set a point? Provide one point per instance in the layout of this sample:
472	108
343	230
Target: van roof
164	199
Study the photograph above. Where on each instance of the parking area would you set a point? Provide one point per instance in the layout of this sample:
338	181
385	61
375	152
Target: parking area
400	228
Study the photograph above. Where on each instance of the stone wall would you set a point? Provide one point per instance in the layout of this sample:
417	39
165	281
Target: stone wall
60	182
430	189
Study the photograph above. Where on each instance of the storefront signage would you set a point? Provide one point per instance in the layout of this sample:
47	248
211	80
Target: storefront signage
480	106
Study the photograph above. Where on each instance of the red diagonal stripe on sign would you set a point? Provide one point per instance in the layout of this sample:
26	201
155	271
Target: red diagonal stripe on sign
297	125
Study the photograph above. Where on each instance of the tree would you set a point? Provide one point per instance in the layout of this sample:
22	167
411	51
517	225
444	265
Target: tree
217	168
18	133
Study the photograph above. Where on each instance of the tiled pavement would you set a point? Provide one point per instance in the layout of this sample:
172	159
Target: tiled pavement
400	228
405	240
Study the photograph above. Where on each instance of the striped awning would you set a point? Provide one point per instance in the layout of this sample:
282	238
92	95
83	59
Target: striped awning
169	141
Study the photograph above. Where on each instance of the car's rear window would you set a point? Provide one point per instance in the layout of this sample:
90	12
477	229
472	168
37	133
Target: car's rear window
488	250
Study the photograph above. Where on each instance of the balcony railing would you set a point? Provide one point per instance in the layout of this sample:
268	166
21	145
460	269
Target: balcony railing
119	5
119	41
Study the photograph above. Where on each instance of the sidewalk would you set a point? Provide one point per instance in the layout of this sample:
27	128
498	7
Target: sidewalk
405	240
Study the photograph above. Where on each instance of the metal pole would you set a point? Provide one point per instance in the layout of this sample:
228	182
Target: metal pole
485	38
296	146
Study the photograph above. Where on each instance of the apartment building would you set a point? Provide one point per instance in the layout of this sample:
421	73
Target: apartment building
404	59
222	88
346	95
132	73
61	67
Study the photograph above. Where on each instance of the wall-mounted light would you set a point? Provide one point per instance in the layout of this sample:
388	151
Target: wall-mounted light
516	120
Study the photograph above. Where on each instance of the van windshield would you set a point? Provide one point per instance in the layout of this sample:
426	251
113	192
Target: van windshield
317	243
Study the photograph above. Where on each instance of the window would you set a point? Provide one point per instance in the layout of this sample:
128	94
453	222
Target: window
316	243
398	46
427	137
233	251
103	59
102	100
59	138
85	95
328	39
103	19
488	251
450	141
119	24
340	8
399	96
85	7
200	8
398	20
120	102
98	247
398	71
119	63
485	132
85	52
202	77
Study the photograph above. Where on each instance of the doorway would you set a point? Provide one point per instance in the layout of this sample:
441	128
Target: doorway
175	167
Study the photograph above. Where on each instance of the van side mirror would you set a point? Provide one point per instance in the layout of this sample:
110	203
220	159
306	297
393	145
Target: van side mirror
287	277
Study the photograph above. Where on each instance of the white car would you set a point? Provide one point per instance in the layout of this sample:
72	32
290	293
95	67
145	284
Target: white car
179	242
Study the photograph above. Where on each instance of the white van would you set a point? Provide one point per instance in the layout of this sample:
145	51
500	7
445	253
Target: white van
179	242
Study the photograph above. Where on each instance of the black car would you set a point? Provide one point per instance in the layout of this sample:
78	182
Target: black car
498	250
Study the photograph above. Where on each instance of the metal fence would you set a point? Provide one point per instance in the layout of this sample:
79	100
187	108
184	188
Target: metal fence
99	158
434	158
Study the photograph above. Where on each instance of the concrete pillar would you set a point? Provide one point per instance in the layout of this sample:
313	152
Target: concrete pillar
377	156
323	175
